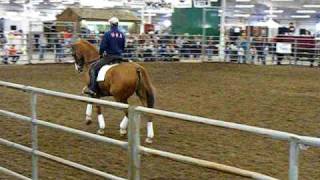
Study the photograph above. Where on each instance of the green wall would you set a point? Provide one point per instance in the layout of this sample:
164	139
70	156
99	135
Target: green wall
189	20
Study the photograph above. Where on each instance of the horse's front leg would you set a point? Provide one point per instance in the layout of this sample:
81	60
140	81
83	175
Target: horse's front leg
89	114
150	132
101	121
124	124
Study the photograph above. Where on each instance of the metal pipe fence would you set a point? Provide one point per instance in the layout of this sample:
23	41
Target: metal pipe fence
133	145
253	50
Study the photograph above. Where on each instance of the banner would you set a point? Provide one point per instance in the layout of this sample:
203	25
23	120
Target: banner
201	3
284	48
182	3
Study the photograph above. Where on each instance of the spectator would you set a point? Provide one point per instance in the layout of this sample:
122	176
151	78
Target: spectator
12	52
258	44
227	53
244	44
241	55
265	54
93	39
5	54
210	48
253	54
148	51
59	53
67	37
42	46
3	40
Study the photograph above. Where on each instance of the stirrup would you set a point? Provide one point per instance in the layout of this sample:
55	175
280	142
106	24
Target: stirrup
90	92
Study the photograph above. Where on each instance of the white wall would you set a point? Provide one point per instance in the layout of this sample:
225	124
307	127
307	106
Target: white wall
8	23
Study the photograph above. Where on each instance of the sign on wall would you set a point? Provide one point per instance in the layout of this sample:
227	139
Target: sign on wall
201	3
182	4
284	48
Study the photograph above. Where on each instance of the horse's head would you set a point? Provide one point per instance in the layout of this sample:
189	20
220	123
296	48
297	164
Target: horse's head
84	53
78	57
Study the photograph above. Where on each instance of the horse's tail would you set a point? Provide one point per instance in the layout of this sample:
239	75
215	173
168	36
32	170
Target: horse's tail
145	89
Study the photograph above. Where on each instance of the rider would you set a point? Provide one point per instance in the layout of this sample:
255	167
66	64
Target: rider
111	49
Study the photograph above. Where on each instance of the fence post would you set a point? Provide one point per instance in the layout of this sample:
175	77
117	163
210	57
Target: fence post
295	52
34	136
134	143
29	43
204	26
222	44
294	160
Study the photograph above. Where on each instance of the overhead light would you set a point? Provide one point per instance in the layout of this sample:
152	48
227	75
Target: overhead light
244	6
306	11
19	1
243	0
11	13
271	16
300	16
5	2
278	11
282	0
241	15
311	5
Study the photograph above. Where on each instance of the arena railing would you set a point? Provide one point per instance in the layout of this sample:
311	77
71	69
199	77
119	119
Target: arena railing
178	47
133	145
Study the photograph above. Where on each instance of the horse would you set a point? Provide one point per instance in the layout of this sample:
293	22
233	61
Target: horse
121	81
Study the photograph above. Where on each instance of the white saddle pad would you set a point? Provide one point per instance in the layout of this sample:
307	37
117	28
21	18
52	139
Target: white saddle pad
103	71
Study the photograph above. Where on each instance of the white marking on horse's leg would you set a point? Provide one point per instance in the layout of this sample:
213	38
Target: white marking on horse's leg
101	122
76	66
150	133
124	125
84	89
89	113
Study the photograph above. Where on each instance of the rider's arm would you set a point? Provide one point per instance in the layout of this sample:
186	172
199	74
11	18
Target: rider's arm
103	44
123	42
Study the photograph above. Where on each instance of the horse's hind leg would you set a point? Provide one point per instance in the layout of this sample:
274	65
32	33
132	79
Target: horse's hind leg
101	121
125	120
147	103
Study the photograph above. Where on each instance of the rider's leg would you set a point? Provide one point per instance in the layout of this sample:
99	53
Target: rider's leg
93	73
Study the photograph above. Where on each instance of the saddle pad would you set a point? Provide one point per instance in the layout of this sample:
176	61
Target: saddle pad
103	71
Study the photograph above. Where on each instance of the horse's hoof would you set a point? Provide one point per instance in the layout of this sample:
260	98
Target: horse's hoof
123	132
100	132
88	120
149	140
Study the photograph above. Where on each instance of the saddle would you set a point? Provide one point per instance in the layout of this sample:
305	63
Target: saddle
95	68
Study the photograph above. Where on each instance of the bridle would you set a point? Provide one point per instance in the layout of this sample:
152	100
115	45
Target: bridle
80	62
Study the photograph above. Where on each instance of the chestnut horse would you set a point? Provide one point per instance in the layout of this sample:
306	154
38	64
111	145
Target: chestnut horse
121	82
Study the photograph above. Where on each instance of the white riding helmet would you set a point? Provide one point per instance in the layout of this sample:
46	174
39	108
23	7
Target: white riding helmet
113	21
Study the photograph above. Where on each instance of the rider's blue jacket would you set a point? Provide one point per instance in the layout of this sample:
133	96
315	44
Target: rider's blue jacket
113	42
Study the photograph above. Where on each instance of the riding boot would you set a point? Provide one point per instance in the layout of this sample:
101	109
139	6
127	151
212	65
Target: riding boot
92	88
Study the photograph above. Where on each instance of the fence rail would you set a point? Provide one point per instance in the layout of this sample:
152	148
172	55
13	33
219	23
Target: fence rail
133	145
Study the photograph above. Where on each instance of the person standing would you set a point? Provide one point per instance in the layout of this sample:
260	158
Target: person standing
42	46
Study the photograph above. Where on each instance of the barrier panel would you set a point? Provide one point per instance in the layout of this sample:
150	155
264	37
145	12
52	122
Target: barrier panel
133	145
54	46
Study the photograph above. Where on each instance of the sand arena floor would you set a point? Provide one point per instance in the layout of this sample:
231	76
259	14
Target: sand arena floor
278	97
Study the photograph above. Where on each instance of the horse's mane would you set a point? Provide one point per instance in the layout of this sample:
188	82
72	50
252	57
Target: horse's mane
87	48
88	44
